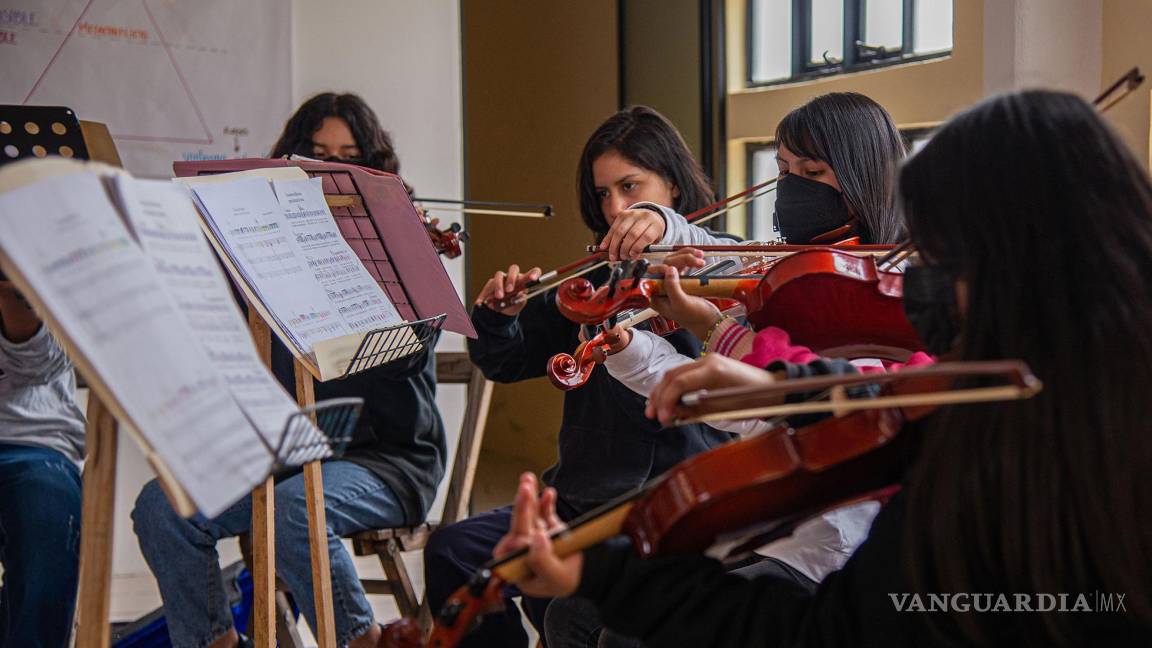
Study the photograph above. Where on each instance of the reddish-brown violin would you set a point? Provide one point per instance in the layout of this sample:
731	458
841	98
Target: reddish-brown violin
446	241
739	496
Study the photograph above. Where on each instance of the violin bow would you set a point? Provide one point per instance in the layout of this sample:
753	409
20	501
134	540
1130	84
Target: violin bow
1125	85
768	249
487	208
596	259
738	403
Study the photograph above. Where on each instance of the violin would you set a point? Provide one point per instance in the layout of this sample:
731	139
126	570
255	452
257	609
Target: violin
446	241
826	299
568	372
734	498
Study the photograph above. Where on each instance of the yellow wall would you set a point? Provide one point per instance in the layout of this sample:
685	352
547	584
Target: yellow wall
539	77
1127	42
914	93
661	58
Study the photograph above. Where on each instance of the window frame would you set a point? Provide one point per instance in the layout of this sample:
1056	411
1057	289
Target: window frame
856	58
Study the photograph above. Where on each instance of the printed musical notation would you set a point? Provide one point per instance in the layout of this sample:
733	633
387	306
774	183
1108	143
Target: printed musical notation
330	260
109	303
317	237
250	223
333	263
207	304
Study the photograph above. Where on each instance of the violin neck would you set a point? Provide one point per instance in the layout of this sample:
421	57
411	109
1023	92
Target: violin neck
715	286
572	540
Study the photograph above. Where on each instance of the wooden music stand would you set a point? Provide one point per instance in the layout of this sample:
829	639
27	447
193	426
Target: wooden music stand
376	348
102	440
98	499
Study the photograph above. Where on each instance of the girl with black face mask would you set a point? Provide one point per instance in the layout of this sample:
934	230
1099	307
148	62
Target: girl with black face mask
838	156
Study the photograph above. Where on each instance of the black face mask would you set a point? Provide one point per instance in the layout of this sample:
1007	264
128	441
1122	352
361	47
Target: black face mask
806	209
930	305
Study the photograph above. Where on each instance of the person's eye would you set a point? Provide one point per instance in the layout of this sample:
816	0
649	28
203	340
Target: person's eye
629	186
814	173
601	193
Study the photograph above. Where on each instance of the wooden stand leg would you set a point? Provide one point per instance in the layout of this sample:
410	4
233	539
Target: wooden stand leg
263	537
263	531
325	629
99	498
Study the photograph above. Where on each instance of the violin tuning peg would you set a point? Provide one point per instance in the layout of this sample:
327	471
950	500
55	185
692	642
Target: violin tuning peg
640	269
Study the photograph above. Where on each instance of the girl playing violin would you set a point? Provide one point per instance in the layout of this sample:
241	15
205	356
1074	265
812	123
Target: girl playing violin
826	179
607	446
1032	506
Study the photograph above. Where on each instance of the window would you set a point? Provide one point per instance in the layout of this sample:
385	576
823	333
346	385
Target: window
798	39
761	213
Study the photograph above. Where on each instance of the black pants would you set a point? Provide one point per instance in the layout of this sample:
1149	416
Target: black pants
452	556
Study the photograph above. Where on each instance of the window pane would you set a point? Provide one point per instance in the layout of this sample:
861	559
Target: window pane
827	31
762	221
771	40
933	25
884	23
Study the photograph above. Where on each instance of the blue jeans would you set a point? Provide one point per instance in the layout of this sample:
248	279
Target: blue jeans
39	546
452	556
182	551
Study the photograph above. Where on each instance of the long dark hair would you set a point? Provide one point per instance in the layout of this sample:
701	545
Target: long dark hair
1034	203
858	139
376	150
647	139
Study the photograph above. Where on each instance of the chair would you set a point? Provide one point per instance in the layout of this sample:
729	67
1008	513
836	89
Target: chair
389	544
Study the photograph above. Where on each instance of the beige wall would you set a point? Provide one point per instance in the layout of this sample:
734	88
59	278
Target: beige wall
539	77
1127	42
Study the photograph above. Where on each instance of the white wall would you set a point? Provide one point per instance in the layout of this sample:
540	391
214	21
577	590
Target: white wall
404	59
1043	43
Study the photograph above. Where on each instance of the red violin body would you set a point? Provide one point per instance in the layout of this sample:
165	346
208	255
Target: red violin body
827	299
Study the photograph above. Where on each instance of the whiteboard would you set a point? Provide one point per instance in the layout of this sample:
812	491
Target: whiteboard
172	79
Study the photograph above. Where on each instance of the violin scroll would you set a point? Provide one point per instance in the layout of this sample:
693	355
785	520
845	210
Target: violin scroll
446	241
568	372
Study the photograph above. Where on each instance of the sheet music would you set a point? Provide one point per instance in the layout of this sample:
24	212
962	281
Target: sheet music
165	224
247	218
353	292
71	245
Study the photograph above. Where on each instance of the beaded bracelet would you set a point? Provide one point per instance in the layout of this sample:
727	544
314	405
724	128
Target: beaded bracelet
711	331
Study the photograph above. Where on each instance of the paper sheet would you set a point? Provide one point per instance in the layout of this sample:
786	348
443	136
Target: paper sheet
353	292
72	247
247	218
166	225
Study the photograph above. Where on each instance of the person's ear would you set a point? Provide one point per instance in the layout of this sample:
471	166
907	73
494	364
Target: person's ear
675	192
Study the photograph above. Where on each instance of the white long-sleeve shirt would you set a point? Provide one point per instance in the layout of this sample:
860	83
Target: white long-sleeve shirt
820	545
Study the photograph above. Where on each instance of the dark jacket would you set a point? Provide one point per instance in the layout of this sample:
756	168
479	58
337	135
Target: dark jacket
691	600
607	445
400	435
